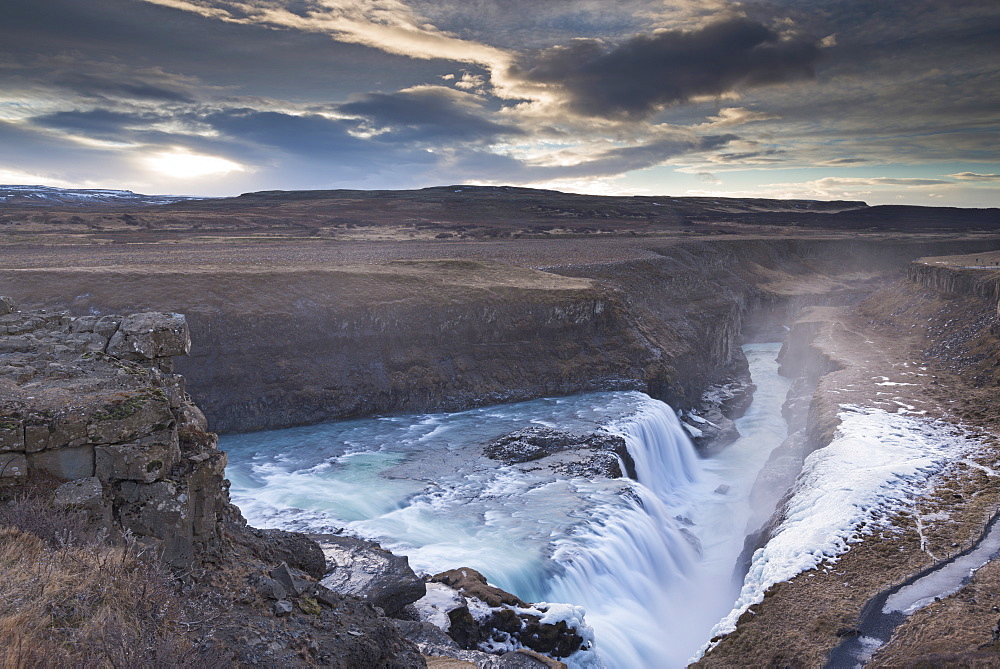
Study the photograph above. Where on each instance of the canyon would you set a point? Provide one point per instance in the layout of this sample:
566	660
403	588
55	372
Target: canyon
296	317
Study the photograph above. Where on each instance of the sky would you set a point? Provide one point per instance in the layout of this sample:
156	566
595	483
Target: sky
886	101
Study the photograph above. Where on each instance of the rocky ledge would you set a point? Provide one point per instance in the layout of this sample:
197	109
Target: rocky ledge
91	401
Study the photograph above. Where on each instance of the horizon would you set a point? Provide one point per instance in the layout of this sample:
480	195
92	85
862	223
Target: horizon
443	186
803	100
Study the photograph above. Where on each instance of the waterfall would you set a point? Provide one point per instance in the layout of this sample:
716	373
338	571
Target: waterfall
629	567
665	459
650	561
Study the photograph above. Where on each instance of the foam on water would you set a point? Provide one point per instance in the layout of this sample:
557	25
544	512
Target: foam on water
635	556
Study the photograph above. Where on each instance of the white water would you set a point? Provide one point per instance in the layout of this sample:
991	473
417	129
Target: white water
651	562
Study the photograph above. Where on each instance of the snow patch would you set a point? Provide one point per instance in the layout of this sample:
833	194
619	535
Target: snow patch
692	430
434	606
877	463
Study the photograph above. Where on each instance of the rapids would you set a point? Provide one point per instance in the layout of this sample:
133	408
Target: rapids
650	561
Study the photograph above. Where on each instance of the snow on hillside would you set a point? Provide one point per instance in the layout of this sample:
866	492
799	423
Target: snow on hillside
879	462
47	195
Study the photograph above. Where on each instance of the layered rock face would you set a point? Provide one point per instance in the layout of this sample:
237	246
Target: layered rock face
90	401
319	340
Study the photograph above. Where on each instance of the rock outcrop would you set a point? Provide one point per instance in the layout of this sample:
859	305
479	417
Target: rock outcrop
586	455
91	401
364	569
465	618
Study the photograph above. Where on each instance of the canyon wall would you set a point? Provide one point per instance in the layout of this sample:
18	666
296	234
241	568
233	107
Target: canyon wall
279	346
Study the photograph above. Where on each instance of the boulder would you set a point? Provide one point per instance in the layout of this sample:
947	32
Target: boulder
471	583
150	335
366	570
298	550
596	454
84	493
292	581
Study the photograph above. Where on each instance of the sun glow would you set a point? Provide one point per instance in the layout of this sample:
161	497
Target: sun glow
182	164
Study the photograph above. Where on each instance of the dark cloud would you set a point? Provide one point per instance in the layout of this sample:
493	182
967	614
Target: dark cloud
624	159
97	123
310	136
91	85
245	58
763	156
608	163
35	151
428	115
636	78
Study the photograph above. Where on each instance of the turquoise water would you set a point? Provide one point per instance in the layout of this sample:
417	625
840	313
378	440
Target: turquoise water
651	561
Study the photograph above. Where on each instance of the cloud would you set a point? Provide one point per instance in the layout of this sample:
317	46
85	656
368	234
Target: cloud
389	25
97	123
427	114
638	77
972	176
845	182
733	116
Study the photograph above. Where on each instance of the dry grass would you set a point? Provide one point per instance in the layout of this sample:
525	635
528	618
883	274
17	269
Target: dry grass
71	597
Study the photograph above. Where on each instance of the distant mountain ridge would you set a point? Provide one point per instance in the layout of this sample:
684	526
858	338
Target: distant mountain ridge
82	197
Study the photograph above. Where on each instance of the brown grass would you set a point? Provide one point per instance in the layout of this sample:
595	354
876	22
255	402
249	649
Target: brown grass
71	597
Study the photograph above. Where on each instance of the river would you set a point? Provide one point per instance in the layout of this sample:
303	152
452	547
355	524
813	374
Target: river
651	562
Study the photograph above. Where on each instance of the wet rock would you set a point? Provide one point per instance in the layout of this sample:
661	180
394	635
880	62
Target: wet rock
555	639
366	570
471	583
710	430
484	617
596	454
463	628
